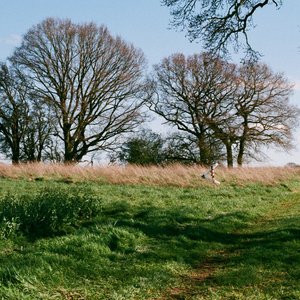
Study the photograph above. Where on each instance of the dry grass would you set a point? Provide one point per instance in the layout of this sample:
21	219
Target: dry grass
173	175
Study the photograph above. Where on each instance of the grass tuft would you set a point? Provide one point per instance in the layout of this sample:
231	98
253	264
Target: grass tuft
52	211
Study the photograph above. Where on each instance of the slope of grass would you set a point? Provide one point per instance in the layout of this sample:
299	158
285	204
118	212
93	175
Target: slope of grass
149	242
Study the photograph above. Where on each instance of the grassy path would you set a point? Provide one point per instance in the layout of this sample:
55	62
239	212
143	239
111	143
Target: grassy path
258	262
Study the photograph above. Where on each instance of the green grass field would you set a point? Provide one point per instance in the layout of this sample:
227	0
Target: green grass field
103	241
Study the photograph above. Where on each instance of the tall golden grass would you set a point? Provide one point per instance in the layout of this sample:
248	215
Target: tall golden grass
172	175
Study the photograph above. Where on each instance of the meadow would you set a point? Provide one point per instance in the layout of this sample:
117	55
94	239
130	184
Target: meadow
71	232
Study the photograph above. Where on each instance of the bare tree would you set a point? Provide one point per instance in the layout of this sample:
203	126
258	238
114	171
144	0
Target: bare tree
14	93
263	109
217	103
221	118
189	94
24	126
217	23
37	138
90	78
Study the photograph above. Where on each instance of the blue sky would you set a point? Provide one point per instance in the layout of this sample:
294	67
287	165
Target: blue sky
145	23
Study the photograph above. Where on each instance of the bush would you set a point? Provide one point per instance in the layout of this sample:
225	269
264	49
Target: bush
53	211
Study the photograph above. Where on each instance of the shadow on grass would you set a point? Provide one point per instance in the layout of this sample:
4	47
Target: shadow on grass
265	255
146	248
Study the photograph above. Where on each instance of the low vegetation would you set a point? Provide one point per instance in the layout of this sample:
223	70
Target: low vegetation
148	233
174	175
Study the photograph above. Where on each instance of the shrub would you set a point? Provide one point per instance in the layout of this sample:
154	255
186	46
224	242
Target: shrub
53	211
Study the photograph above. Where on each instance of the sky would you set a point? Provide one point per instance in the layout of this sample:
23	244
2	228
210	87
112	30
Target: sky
146	24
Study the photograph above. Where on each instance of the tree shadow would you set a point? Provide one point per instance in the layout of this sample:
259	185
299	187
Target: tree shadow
128	242
266	254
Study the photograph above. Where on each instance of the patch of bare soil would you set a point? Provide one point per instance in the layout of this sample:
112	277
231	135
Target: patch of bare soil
199	276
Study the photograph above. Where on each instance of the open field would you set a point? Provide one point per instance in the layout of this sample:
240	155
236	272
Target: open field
172	175
149	233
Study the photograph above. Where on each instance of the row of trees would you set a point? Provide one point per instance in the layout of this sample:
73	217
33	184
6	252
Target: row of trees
223	107
70	90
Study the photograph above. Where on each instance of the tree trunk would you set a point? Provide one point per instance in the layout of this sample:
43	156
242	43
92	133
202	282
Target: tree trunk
242	144
241	153
15	158
229	155
69	155
69	158
204	152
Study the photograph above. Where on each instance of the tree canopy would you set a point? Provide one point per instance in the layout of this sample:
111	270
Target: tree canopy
90	79
218	103
217	23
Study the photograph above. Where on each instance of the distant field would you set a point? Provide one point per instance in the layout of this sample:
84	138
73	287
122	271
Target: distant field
172	175
149	233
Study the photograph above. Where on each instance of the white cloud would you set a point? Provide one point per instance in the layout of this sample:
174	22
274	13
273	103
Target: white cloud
11	40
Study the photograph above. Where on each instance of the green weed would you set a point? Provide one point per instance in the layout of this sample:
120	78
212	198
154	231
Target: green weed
52	211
